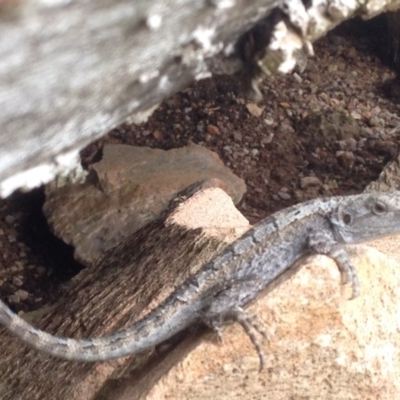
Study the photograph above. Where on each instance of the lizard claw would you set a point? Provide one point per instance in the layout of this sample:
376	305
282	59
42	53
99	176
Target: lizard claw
251	324
323	243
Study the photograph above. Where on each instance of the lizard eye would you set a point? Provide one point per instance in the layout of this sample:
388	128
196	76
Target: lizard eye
379	208
347	218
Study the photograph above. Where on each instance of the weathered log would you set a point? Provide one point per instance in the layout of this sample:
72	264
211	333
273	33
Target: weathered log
102	299
117	290
72	70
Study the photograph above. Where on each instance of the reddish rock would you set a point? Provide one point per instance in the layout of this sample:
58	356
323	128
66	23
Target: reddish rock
129	188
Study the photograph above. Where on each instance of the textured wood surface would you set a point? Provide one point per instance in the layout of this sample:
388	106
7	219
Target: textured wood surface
101	299
72	70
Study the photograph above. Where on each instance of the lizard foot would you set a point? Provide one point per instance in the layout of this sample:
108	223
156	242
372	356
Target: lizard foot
323	243
250	323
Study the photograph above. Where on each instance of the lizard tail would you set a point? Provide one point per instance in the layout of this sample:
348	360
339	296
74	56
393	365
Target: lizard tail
156	327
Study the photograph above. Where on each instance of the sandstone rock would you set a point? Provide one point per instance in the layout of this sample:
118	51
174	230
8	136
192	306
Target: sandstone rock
321	346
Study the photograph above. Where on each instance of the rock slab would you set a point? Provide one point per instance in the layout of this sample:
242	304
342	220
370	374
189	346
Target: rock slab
129	188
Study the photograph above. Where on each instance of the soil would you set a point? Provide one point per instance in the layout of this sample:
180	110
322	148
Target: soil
326	131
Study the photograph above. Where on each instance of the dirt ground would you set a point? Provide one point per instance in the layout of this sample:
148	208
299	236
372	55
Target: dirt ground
328	130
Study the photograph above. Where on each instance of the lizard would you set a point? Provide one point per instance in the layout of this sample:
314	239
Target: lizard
219	291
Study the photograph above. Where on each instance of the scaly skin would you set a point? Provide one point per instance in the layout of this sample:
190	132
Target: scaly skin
220	290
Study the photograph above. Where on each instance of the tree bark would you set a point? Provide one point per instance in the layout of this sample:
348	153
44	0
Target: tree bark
73	70
102	299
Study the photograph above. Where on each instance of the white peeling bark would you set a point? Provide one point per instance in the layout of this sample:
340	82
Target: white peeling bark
71	70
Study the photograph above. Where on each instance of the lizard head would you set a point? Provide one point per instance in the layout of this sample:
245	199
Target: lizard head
366	216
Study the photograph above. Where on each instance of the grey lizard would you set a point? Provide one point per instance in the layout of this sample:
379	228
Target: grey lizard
218	292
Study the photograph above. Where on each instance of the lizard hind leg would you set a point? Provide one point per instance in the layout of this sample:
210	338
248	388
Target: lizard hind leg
250	323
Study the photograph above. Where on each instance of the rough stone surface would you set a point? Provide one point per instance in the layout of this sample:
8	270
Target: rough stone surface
221	215
130	187
320	346
388	179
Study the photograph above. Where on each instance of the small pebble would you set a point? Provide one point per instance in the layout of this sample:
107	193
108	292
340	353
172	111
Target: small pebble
345	158
40	270
237	136
268	139
269	121
375	121
23	294
351	144
213	130
9	219
297	77
11	238
157	134
309	181
14	298
17	281
284	195
19	266
254	109
361	143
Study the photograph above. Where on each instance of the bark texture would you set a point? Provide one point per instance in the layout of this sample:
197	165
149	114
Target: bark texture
71	70
102	299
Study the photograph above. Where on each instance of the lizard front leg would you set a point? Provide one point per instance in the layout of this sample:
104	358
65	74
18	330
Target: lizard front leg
323	242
